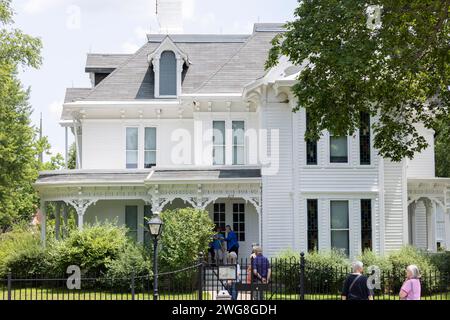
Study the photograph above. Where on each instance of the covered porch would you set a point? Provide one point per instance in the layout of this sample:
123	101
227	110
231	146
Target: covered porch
428	221
127	197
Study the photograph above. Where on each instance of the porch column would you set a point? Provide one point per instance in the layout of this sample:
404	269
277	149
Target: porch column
58	220
80	206
431	225
43	210
447	229
412	223
64	214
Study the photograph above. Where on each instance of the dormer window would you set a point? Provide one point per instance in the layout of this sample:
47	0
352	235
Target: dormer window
168	74
168	62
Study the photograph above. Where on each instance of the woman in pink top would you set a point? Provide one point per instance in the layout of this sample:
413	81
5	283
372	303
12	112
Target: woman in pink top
411	287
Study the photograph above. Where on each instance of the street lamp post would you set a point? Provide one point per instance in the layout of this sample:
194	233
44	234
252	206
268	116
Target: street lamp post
155	226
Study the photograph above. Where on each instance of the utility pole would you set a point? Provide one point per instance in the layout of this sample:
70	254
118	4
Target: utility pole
41	155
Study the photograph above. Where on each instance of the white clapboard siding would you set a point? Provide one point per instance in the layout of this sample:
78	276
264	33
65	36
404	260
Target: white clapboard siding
420	226
278	225
324	224
376	226
394	188
104	141
355	227
440	224
103	145
422	165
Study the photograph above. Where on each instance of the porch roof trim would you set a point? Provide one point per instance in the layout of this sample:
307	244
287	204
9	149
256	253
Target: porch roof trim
136	177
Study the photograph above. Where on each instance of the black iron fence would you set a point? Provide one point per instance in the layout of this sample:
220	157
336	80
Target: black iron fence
291	279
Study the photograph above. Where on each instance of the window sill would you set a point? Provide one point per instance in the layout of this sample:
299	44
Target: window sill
337	166
166	97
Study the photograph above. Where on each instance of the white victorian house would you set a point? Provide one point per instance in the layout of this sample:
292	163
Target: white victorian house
196	120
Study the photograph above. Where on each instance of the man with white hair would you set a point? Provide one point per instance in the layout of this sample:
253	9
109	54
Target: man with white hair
355	286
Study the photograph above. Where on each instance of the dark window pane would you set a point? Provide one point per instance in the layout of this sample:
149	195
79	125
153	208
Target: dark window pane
364	139
168	74
339	225
338	149
366	224
311	148
239	220
147	215
131	221
313	229
219	215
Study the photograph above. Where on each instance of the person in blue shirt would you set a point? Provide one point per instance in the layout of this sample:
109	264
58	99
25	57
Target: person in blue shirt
232	240
217	246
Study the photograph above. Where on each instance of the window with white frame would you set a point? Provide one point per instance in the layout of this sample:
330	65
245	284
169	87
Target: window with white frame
339	226
150	148
338	149
239	220
218	142
132	143
168	74
238	142
219	215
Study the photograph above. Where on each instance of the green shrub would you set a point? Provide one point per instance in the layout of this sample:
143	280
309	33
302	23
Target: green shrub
130	260
286	270
370	258
21	252
186	233
441	261
92	249
406	256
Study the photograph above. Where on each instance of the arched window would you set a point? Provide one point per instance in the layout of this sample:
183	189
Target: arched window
168	74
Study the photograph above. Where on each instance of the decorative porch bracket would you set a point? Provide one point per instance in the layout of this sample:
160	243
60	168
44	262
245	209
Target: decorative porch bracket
80	206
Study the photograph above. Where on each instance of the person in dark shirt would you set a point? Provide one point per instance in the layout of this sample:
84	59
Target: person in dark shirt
355	286
261	271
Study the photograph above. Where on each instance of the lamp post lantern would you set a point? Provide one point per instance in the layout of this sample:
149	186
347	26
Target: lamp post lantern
155	226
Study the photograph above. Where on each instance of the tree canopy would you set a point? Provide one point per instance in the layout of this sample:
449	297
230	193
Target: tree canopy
389	58
19	144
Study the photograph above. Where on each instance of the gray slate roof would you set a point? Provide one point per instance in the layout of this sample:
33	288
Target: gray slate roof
219	64
91	176
76	94
204	175
114	177
99	62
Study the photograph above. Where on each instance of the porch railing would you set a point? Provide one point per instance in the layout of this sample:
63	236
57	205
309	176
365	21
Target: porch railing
292	279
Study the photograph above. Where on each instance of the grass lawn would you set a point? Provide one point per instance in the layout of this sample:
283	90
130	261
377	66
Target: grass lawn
58	294
442	296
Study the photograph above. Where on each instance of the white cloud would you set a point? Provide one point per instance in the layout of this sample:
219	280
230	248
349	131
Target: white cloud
38	6
188	9
129	47
207	19
55	108
140	32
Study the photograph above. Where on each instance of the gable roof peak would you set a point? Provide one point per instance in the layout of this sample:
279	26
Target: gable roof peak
168	45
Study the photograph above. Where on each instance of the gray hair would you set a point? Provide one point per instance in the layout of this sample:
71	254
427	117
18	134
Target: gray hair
357	266
414	271
258	249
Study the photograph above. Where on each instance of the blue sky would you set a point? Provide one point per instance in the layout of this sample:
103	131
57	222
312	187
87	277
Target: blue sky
70	29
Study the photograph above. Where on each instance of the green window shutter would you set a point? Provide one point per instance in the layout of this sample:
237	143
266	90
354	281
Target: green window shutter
147	215
131	213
